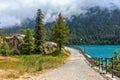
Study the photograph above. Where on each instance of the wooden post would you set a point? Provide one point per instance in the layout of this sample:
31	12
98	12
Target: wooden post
99	64
102	64
96	61
112	67
106	64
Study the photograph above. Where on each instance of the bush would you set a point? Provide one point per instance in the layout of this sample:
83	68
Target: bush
116	55
32	63
4	49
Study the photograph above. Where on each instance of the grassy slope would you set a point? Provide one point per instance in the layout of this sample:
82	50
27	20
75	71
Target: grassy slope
18	65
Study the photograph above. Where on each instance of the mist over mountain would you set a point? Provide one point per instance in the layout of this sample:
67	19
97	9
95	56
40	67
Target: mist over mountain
16	11
96	26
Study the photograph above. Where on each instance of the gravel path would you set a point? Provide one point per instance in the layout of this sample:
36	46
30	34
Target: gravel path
75	69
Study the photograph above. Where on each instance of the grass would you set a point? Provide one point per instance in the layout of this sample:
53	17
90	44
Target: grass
12	75
34	63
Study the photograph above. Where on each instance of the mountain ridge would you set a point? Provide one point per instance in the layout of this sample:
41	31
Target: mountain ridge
96	26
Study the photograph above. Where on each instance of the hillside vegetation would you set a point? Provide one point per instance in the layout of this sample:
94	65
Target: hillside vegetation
96	26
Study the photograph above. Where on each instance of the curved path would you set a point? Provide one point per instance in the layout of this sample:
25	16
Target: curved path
75	69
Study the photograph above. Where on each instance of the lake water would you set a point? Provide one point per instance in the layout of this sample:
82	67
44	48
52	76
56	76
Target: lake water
105	51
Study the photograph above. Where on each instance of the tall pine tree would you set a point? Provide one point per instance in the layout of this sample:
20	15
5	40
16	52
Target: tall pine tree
39	33
28	45
59	32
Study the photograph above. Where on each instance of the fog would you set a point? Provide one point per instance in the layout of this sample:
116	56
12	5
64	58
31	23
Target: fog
14	11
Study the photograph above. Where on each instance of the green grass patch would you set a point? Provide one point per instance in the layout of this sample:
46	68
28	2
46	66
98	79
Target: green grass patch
34	63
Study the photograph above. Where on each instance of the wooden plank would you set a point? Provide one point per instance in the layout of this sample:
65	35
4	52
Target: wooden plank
115	71
116	61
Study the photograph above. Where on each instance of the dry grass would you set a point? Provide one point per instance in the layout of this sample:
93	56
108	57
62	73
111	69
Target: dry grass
13	67
8	59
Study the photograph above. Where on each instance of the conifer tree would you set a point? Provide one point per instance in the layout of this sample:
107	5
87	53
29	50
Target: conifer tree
39	33
4	49
59	32
28	45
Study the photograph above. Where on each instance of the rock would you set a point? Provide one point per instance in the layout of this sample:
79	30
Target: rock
14	42
49	47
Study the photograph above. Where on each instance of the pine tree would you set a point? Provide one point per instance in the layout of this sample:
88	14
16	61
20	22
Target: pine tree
28	45
4	49
39	33
59	32
22	31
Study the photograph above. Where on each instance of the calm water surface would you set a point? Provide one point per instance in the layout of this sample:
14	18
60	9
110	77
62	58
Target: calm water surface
99	51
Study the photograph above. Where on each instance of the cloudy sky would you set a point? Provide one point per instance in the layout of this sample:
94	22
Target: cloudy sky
14	11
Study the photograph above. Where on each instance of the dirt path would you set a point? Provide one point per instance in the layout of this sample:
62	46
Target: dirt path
75	69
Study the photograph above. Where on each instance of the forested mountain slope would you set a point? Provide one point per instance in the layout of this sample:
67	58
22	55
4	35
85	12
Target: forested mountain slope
96	26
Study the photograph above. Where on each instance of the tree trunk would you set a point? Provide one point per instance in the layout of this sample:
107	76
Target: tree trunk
60	46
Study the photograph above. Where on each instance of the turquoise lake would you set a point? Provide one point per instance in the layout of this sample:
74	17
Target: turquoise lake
105	51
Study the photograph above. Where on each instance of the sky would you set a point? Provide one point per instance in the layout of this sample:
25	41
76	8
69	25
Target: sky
15	11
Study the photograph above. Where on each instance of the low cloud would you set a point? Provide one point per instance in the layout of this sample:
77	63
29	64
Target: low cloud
14	11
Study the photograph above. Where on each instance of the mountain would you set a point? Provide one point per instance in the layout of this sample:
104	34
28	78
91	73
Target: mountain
96	26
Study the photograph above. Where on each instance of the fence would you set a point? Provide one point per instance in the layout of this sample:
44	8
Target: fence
102	63
105	64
